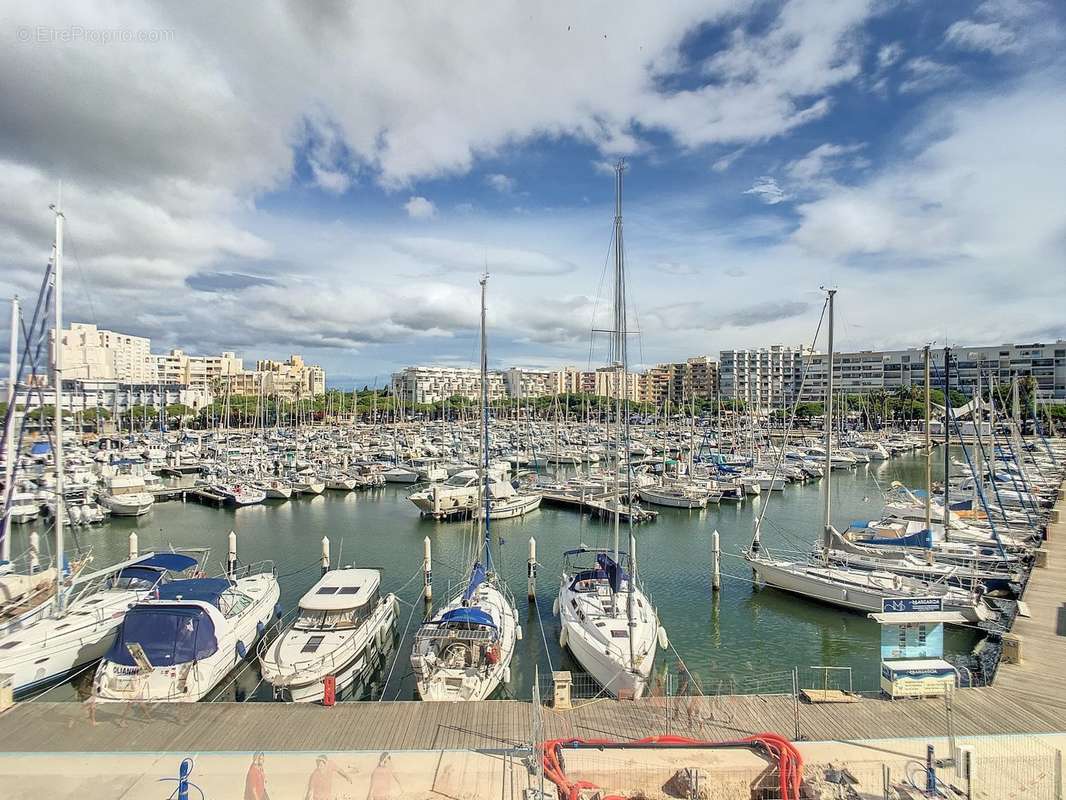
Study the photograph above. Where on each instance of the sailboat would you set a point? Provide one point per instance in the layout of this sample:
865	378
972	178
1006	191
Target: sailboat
863	590
464	651
606	620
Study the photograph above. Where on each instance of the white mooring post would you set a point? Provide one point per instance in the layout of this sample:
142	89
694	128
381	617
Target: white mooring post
427	569
716	562
134	547
325	554
231	564
531	571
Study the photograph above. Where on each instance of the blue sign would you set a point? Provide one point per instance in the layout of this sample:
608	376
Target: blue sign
907	605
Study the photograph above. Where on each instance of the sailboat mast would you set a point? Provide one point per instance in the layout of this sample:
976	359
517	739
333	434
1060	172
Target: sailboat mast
947	438
618	338
10	453
485	419
57	377
829	421
928	449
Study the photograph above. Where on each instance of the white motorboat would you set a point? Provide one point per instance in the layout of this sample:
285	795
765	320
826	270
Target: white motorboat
125	496
24	507
76	634
178	645
343	627
312	486
276	489
400	474
678	495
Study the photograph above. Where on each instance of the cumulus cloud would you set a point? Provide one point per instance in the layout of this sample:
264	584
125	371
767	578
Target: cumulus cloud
420	208
889	54
767	189
503	184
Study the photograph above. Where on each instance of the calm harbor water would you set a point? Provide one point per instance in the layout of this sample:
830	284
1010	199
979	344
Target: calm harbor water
740	639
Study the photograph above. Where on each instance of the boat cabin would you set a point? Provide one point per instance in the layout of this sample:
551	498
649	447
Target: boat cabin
342	598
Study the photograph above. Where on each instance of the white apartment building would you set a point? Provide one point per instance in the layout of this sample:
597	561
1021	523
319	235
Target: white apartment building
197	372
421	385
766	378
891	370
524	383
292	379
91	353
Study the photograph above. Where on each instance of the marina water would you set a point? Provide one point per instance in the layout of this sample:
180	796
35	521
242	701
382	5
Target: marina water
744	639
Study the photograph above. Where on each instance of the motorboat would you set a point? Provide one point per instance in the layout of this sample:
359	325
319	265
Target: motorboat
342	629
179	643
125	495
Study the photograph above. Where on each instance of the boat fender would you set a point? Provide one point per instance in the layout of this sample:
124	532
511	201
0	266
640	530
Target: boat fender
278	611
897	582
506	674
518	632
242	651
555	607
259	628
563	638
664	641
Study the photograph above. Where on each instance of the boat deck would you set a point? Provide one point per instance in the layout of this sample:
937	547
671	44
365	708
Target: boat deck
1028	698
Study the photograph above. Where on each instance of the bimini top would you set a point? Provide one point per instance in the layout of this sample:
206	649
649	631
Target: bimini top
469	615
151	568
206	590
342	589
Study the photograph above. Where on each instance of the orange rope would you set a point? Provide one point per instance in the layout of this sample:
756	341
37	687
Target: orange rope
789	760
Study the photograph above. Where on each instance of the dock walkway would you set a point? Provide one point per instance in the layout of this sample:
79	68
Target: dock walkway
1027	698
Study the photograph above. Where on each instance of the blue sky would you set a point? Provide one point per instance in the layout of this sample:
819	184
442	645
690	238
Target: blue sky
330	179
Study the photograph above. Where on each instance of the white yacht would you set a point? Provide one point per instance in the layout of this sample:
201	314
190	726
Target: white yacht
607	622
178	645
126	496
343	626
81	631
677	495
25	507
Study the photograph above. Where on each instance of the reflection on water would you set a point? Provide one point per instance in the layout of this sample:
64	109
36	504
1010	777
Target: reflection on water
741	634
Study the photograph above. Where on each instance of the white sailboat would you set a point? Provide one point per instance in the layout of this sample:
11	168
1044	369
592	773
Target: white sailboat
464	651
861	590
606	620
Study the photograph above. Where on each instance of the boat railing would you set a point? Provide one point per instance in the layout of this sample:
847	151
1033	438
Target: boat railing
255	568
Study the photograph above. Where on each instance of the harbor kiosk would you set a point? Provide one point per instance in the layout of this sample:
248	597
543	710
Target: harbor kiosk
912	647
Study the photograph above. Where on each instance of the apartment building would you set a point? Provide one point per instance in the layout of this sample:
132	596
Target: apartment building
680	382
92	353
198	372
766	378
292	379
522	383
891	370
421	385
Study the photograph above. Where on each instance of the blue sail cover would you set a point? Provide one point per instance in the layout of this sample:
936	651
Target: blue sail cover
962	505
40	449
473	616
477	577
615	573
168	635
918	539
206	590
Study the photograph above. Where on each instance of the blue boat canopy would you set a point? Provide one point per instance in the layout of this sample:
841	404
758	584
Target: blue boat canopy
206	590
175	562
477	577
473	616
138	573
860	523
40	449
168	635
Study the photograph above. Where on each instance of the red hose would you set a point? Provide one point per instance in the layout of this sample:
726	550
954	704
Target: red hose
789	760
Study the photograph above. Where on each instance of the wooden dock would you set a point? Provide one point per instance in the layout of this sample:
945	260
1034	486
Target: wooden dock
596	505
1027	698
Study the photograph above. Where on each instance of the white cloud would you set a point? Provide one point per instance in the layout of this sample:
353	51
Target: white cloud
820	160
926	74
503	184
889	54
454	255
420	208
990	36
725	162
766	189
